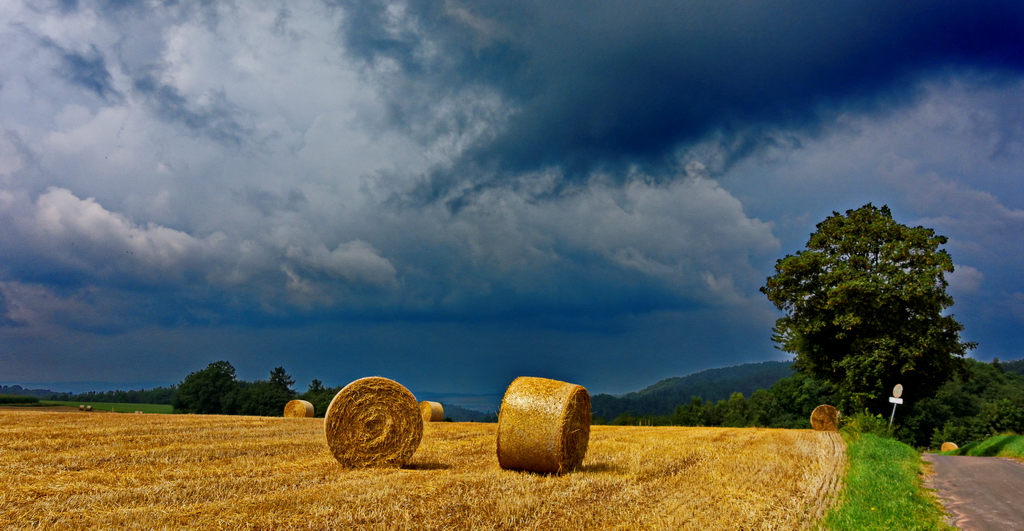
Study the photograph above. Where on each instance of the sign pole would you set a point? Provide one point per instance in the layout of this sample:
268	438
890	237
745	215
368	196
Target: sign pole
895	399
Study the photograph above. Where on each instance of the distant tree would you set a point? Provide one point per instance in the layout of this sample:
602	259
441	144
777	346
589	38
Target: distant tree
281	379
316	386
206	391
691	414
266	398
263	398
320	396
734	412
1014	366
865	308
157	395
988	402
762	408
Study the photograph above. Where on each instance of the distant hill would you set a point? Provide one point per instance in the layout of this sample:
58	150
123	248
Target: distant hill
18	390
711	385
1015	366
461	414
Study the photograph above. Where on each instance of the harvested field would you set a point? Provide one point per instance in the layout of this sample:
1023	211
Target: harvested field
74	471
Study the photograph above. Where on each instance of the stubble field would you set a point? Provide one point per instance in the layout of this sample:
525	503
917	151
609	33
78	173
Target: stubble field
74	470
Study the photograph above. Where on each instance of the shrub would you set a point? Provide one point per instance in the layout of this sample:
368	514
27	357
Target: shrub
864	422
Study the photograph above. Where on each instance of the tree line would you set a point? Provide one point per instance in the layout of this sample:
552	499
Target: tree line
157	395
986	400
216	390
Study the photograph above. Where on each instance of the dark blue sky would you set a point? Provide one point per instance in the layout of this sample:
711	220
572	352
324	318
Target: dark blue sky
455	193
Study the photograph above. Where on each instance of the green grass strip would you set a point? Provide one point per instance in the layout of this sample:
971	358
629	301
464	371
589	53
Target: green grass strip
114	406
1005	445
18	399
883	490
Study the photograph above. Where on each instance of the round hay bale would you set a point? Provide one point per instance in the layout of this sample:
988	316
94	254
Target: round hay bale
88	408
947	446
825	418
431	411
81	408
298	408
373	422
543	426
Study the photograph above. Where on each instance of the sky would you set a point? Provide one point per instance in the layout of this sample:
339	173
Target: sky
454	193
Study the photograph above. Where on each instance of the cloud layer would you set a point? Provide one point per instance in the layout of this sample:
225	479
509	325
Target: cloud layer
593	193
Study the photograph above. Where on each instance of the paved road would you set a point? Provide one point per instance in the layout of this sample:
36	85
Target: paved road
982	493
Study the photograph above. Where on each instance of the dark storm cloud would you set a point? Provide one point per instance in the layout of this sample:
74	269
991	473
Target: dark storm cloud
5	313
218	119
607	83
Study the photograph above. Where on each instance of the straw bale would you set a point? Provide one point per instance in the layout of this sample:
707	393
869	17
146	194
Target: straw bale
543	426
373	422
81	408
825	418
298	408
88	408
431	411
947	446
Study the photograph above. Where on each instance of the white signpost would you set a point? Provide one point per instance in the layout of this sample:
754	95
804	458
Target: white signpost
895	399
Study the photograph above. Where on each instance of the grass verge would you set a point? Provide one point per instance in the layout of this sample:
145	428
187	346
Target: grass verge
116	407
883	490
1005	445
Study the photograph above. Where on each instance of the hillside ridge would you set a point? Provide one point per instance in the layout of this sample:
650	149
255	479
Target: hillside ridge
662	397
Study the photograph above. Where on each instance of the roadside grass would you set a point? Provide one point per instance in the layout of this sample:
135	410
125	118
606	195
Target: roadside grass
883	490
1005	445
116	407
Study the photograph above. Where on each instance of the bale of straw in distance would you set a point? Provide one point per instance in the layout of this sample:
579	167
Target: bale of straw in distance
298	408
373	422
81	408
88	408
825	418
947	446
543	426
431	411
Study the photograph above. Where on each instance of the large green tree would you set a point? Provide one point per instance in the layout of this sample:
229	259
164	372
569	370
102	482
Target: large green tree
865	306
208	391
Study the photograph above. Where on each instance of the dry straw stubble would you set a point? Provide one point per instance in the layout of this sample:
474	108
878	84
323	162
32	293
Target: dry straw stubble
127	472
825	418
431	411
299	408
373	422
543	426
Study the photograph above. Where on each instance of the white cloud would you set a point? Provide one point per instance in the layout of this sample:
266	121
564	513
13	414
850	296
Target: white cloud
356	261
676	234
964	279
68	228
980	222
61	234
